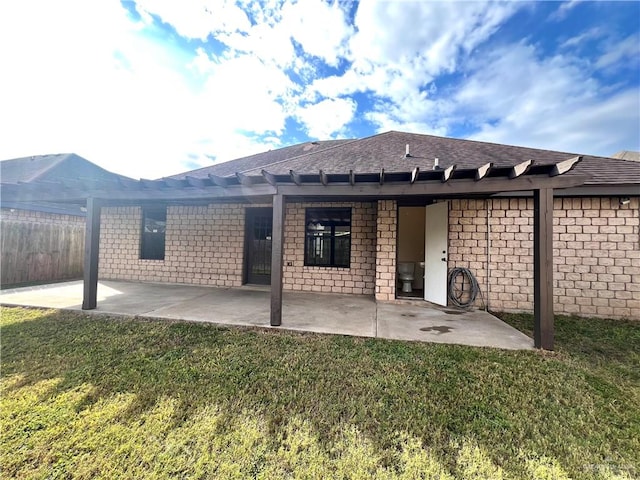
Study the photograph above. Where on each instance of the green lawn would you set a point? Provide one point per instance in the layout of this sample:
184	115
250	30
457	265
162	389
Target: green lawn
87	396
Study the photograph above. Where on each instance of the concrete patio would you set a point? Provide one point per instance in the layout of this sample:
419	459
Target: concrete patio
309	312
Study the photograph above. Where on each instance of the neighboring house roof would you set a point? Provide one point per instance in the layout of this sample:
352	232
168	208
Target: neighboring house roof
51	168
54	167
387	151
627	155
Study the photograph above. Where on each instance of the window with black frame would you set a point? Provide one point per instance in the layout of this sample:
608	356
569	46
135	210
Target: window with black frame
152	237
328	237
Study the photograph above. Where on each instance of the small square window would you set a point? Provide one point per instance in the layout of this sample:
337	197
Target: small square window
327	237
152	237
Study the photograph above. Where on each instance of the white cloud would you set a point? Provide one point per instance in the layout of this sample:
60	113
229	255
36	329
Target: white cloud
517	98
401	47
627	50
320	28
85	77
263	41
582	38
196	18
247	94
322	120
428	36
564	9
101	88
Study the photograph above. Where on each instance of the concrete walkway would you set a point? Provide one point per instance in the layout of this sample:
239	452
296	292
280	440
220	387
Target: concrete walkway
309	312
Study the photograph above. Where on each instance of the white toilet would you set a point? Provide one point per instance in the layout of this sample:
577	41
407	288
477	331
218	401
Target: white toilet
405	275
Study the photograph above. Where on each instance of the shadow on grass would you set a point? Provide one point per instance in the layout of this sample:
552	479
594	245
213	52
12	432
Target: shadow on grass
511	404
606	343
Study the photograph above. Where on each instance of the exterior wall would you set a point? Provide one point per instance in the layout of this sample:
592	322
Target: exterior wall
40	247
203	246
358	279
596	253
387	226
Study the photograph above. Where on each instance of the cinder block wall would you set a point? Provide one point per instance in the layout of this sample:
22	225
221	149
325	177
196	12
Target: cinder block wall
203	246
358	279
387	227
596	253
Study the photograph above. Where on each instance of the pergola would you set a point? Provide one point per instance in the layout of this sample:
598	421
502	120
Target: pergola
484	181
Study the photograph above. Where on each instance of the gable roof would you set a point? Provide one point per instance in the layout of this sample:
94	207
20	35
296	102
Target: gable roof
627	155
387	151
55	167
51	168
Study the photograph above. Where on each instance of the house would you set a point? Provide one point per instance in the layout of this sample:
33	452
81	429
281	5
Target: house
627	155
538	230
44	241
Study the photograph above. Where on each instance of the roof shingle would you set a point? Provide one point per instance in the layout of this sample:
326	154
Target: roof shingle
52	167
387	150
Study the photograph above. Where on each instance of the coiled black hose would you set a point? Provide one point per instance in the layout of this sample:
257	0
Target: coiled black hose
464	294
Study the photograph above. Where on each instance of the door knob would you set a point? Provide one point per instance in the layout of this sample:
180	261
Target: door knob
443	259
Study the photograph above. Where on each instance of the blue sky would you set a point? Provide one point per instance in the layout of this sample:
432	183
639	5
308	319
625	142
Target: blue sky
149	88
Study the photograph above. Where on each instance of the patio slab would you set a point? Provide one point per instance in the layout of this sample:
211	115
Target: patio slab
311	312
429	323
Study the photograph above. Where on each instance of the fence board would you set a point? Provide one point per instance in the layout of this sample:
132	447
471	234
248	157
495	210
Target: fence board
38	252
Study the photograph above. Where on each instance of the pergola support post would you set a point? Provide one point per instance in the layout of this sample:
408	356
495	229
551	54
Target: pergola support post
543	268
91	253
277	255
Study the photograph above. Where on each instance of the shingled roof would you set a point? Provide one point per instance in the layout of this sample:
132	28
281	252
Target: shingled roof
388	151
55	167
260	160
51	168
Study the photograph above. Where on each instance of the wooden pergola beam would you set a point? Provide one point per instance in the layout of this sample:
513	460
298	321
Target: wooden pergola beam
277	255
482	171
414	175
245	180
153	184
218	180
543	268
323	178
437	188
91	254
196	182
446	173
519	169
490	185
565	166
129	184
269	177
295	178
174	182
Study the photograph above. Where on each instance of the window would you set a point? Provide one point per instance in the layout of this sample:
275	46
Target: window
328	237
154	224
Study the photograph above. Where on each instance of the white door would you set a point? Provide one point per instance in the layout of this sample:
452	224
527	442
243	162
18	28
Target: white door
435	252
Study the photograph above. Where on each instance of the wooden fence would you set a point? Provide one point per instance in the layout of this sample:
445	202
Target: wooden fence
40	252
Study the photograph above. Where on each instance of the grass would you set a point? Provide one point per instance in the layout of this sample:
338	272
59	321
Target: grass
95	397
